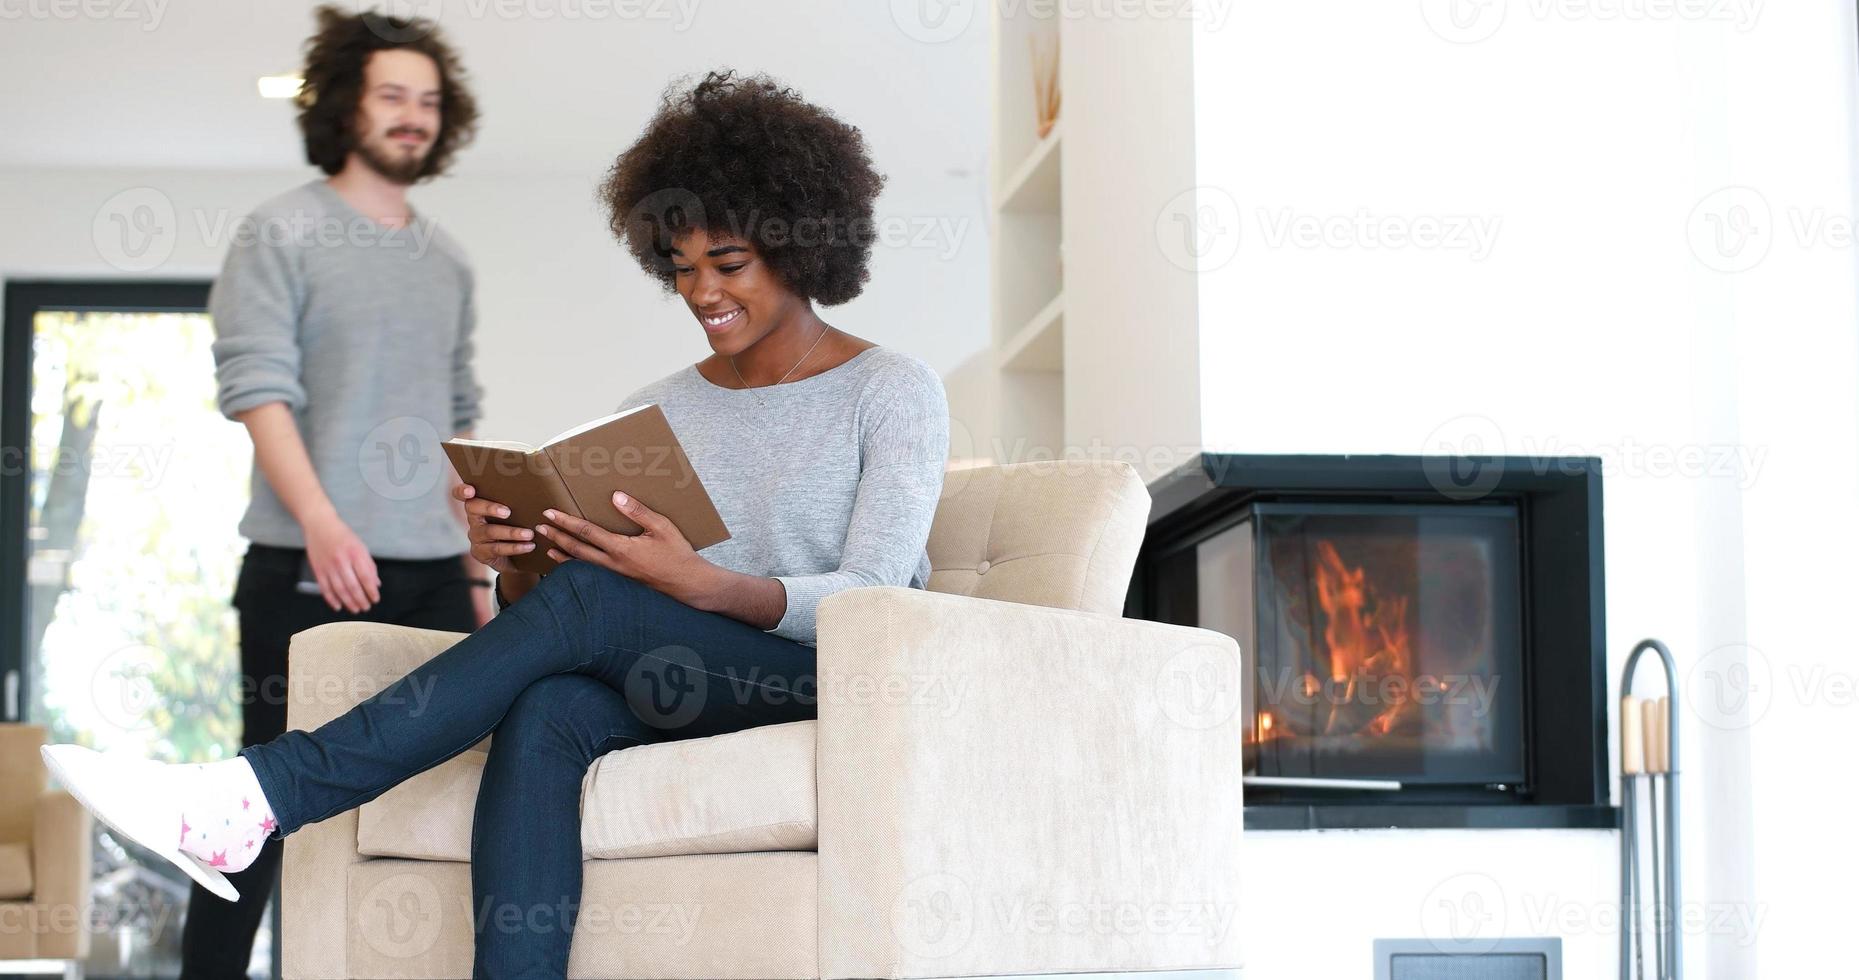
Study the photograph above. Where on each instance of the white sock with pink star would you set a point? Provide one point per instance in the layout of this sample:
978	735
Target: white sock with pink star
224	815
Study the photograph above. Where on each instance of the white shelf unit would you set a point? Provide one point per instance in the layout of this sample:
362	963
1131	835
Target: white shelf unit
1029	236
1095	333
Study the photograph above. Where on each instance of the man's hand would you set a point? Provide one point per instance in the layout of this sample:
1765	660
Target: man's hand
341	563
658	556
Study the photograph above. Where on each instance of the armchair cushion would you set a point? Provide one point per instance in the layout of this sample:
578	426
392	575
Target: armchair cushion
15	871
751	790
1061	533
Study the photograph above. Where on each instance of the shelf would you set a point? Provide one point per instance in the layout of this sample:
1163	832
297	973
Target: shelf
1040	345
1034	184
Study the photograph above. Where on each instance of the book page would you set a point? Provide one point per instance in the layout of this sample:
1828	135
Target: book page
515	447
603	420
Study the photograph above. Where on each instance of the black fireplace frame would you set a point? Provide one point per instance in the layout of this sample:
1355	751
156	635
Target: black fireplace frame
1565	710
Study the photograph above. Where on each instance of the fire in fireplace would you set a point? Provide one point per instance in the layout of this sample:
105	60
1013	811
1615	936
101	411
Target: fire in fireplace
1415	654
1384	640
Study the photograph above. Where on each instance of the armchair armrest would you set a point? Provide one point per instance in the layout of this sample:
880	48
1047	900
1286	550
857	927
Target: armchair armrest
1007	788
61	842
337	666
333	668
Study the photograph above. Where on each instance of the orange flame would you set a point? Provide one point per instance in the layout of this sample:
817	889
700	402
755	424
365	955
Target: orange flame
1367	637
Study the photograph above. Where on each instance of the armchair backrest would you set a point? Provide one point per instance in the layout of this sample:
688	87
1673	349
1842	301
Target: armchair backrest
22	779
1060	533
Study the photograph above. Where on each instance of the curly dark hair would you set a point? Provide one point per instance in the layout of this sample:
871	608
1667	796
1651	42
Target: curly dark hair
334	60
748	158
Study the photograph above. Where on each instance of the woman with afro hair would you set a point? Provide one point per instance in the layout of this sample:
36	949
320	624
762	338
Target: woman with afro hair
823	452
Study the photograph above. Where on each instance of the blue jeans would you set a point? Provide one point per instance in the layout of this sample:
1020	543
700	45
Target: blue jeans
588	662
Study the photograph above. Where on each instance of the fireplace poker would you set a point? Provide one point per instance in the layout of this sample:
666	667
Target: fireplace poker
1655	719
1632	952
1657	758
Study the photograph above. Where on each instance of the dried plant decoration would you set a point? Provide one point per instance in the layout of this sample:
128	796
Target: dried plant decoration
1045	83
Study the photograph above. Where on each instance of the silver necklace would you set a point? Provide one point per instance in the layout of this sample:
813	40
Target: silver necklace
796	367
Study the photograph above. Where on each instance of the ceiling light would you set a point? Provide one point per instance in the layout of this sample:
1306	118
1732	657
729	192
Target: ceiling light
279	86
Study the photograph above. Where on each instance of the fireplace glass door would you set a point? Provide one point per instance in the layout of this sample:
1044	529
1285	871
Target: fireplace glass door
1381	641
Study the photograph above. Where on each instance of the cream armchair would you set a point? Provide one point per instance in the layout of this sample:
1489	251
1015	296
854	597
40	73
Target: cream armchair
45	855
1005	778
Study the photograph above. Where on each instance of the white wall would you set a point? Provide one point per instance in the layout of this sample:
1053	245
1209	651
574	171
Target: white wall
1579	304
1790	89
548	274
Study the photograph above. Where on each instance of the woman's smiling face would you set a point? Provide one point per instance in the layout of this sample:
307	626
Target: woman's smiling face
731	291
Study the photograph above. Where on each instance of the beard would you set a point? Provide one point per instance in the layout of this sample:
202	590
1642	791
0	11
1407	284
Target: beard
391	160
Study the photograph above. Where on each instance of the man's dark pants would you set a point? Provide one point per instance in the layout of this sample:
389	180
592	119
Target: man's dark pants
216	940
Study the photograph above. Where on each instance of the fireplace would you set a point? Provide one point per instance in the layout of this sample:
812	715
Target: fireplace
1414	654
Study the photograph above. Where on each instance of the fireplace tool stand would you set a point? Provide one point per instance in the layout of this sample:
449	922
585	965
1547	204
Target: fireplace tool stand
1649	754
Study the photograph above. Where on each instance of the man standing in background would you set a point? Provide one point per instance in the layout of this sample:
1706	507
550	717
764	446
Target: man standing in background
345	324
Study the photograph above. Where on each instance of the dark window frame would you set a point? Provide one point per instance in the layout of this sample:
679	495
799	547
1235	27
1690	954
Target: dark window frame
23	301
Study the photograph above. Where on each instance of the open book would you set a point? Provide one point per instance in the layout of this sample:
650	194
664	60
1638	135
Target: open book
577	472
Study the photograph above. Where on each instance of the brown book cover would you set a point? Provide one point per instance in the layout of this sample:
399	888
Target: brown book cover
577	472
